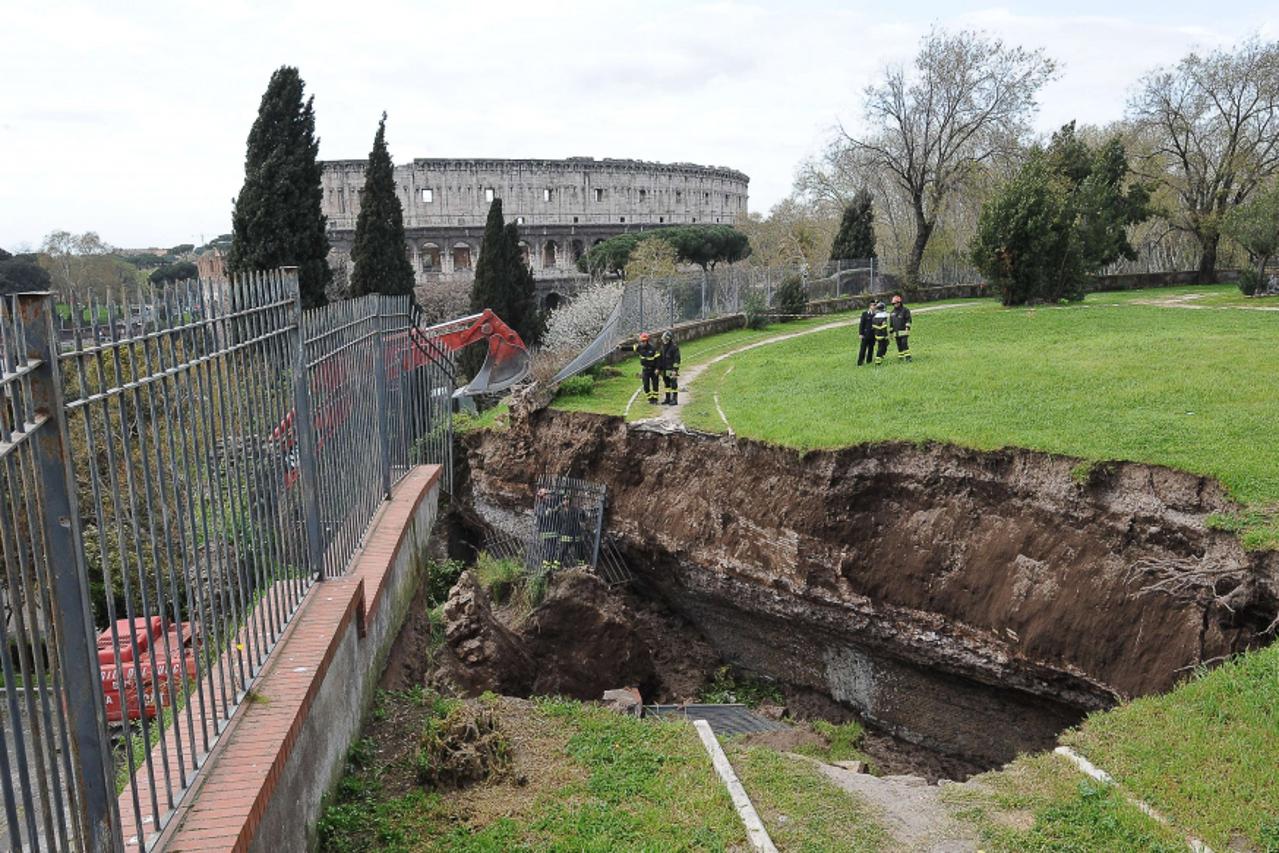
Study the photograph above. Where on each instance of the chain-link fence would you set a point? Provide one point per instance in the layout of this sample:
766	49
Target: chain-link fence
651	303
177	469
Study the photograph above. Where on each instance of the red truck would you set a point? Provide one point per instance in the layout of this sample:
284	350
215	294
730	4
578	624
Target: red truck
146	680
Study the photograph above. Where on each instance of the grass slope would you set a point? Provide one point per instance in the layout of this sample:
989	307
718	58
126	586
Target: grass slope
1190	389
1205	756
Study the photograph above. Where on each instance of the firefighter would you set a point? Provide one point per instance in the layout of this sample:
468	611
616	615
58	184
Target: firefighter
547	508
670	368
866	354
899	323
879	324
650	360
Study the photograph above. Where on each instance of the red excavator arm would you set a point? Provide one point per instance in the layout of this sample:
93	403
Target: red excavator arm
506	364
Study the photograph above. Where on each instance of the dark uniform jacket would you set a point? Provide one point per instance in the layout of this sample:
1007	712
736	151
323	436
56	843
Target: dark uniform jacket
899	320
879	323
650	358
670	356
866	329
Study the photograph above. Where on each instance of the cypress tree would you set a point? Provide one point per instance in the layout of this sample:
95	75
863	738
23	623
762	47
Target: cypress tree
491	268
278	219
856	237
522	297
381	266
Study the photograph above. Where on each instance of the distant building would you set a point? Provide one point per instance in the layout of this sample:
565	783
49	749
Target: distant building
562	207
211	264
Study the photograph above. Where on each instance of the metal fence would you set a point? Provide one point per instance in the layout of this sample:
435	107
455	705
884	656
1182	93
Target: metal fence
178	470
650	303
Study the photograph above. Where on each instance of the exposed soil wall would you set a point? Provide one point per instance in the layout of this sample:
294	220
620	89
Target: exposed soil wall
971	602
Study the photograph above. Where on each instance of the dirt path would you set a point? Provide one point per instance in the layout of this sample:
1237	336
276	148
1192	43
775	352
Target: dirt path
670	418
911	810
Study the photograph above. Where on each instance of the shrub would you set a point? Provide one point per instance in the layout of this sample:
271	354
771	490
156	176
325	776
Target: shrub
756	310
440	577
498	576
581	385
791	299
1250	282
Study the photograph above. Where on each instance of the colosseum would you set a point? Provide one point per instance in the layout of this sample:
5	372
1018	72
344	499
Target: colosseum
562	207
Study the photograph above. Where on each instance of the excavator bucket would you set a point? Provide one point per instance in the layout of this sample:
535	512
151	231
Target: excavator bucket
505	365
506	361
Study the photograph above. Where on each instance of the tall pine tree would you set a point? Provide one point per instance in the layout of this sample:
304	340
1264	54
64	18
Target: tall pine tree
856	237
278	219
503	281
381	266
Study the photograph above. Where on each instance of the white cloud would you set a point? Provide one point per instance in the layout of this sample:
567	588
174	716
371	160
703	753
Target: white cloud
130	119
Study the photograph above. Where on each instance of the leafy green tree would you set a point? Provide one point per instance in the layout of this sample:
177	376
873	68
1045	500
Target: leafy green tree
856	237
277	219
381	266
1063	217
169	273
21	274
704	245
1255	225
182	249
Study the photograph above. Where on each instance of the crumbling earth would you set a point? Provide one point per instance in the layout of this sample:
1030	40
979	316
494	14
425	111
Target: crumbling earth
972	603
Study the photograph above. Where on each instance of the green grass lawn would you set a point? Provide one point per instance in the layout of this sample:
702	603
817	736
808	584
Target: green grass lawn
1189	389
588	779
1205	756
610	394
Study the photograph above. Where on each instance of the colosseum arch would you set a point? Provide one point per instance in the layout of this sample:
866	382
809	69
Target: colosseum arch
550	254
429	257
579	249
461	256
552	301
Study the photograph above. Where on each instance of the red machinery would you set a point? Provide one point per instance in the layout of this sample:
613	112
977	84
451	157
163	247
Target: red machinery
506	363
146	680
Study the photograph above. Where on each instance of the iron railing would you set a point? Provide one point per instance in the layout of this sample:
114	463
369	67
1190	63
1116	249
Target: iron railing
177	473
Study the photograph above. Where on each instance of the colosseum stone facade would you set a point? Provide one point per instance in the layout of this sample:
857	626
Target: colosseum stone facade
562	207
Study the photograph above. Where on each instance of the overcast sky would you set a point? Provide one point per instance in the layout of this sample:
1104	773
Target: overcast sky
129	118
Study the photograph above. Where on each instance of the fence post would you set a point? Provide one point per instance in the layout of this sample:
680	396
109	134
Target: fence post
69	589
703	294
383	413
308	473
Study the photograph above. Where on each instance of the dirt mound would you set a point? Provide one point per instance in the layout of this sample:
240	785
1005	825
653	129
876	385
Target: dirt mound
465	747
584	638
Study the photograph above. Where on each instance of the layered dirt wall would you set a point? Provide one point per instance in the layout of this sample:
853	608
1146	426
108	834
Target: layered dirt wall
973	602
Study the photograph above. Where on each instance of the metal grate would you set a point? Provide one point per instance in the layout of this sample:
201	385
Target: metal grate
724	719
568	517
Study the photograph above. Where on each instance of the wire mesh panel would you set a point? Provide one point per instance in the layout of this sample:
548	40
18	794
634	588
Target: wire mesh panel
649	304
568	518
